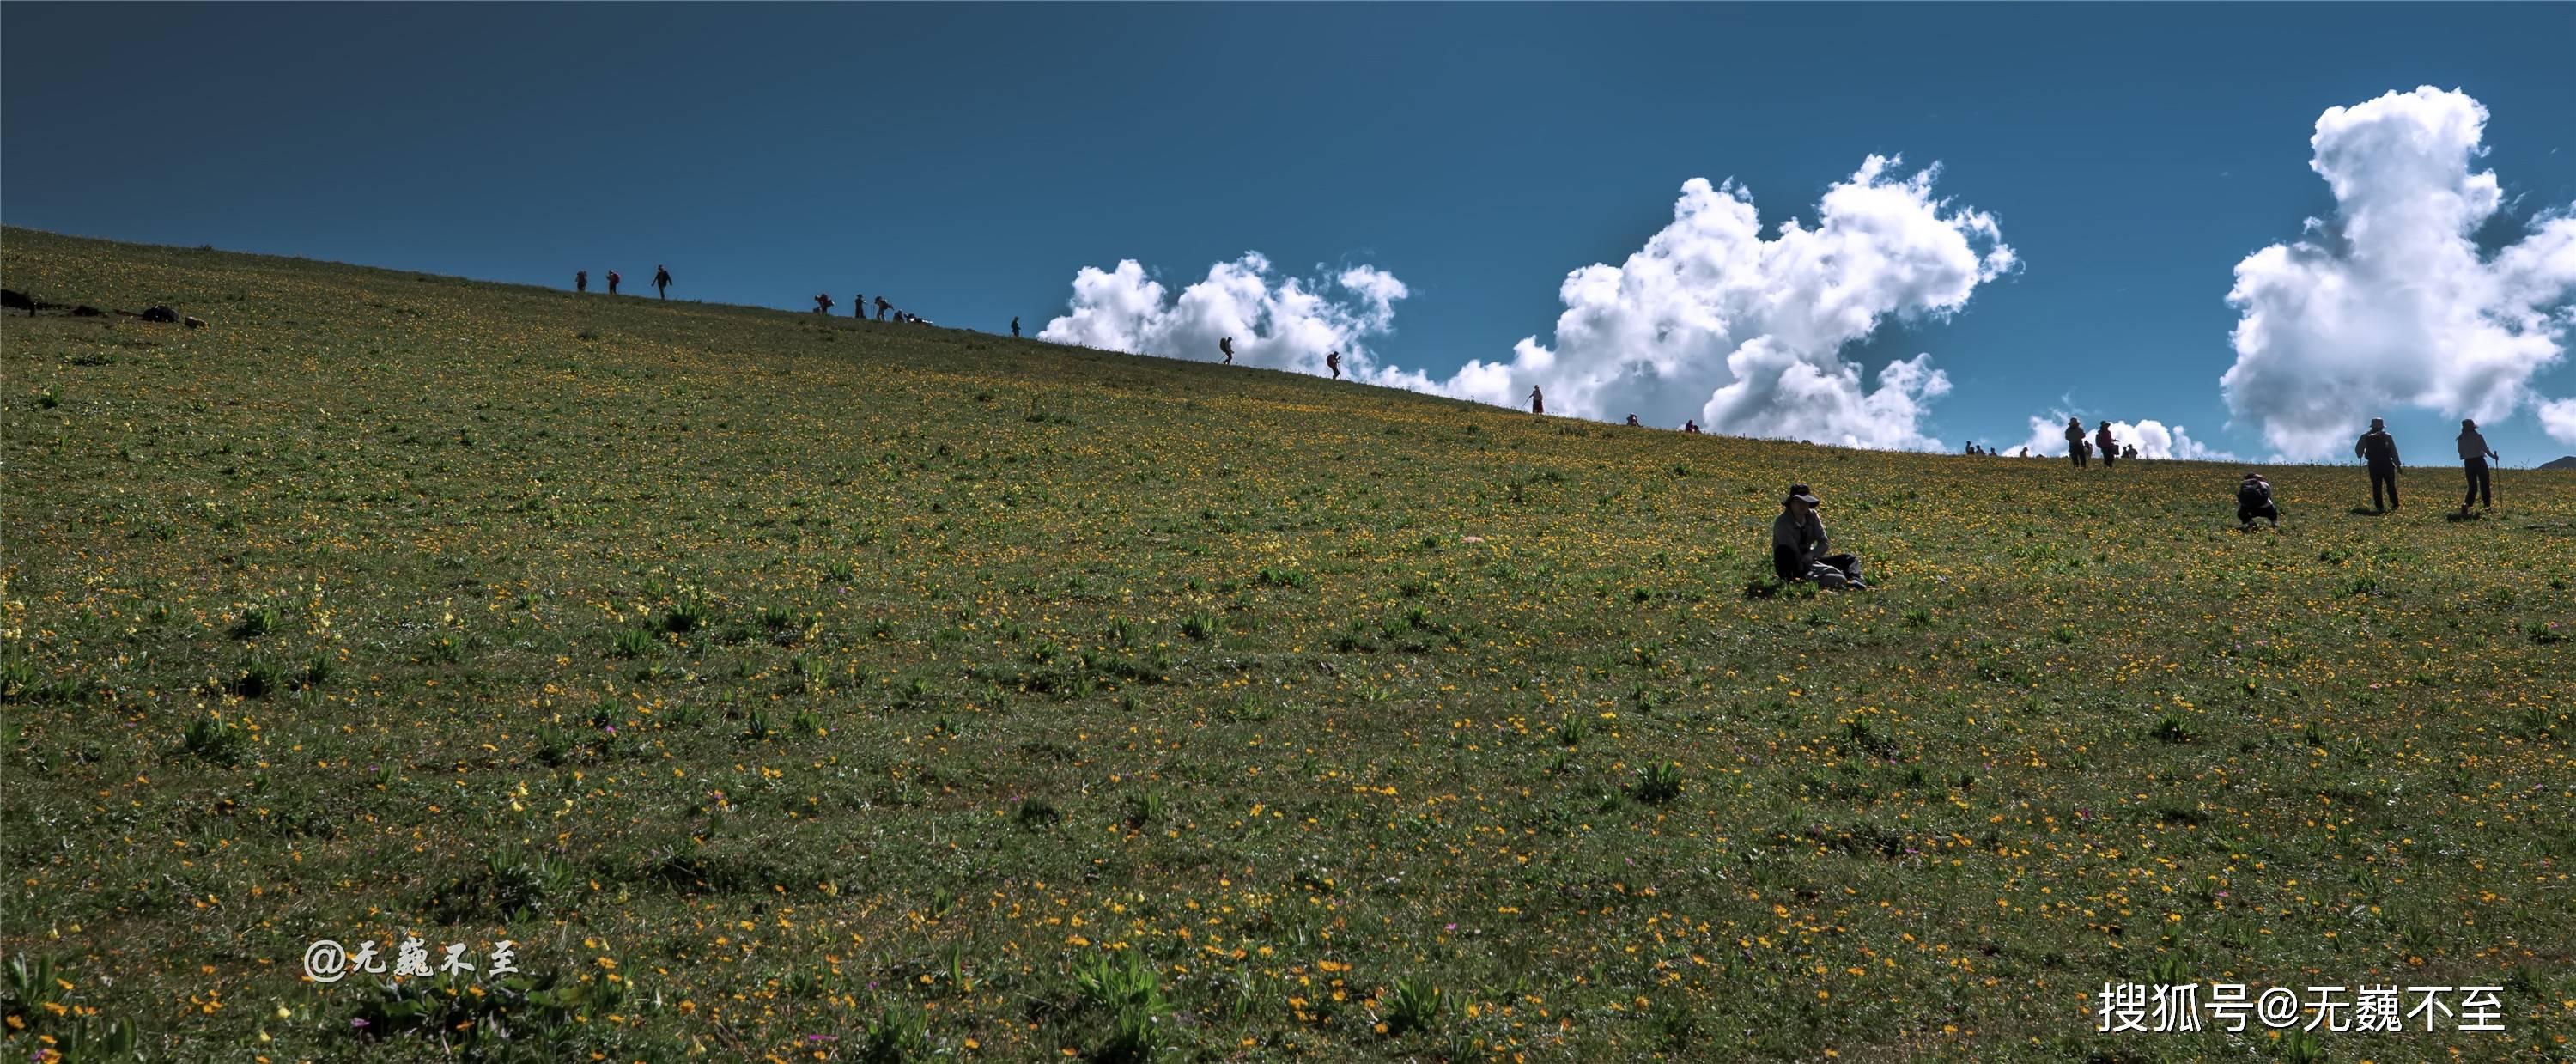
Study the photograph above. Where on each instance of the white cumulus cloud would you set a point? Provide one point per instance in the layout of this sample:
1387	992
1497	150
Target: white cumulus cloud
1711	321
1278	322
2558	419
2389	301
2152	438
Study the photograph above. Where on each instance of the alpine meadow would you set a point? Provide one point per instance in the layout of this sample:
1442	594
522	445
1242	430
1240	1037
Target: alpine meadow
791	687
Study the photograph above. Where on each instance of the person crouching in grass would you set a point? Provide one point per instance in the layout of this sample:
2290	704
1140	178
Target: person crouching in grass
2254	499
1798	545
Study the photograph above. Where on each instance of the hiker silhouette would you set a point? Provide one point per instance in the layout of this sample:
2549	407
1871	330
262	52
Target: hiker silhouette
1538	403
2473	461
2379	450
662	282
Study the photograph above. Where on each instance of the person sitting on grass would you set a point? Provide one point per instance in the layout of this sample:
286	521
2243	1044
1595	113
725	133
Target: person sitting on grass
2254	499
1798	545
1690	426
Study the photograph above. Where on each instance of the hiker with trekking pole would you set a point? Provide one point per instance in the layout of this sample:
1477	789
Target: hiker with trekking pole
2474	453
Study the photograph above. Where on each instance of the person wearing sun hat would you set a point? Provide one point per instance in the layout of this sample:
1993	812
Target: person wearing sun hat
2474	453
1798	544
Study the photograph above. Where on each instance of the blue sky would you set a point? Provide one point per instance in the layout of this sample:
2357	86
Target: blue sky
967	160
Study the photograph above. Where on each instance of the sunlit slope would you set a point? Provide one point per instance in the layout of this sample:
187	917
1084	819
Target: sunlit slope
872	681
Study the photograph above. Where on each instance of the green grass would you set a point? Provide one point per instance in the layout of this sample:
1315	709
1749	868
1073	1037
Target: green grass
769	678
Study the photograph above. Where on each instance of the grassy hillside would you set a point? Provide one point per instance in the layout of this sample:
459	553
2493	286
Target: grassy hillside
824	689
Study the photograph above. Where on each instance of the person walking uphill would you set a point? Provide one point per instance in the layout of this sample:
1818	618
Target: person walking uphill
1538	403
662	282
2473	461
1798	545
2379	449
2075	444
1226	347
612	282
1333	361
2109	445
